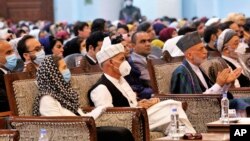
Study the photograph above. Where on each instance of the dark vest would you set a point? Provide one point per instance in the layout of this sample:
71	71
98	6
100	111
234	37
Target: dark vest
243	80
117	97
209	83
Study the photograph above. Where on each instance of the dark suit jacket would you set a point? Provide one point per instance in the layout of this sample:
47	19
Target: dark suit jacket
138	85
243	80
4	105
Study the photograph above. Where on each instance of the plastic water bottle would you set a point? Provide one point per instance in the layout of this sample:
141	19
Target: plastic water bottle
43	135
174	129
225	109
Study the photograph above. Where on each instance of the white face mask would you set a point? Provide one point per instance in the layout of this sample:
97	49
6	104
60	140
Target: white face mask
39	57
84	52
128	2
125	68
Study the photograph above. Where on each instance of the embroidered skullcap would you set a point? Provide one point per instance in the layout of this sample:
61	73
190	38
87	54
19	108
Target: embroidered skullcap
108	52
188	40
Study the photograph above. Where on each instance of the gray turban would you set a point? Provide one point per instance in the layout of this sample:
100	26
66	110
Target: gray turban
224	37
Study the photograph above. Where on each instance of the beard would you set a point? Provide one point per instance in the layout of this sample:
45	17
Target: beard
233	55
198	60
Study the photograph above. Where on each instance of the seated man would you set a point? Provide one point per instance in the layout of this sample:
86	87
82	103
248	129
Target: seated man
211	34
142	89
82	32
112	90
188	78
31	52
228	42
8	61
93	45
138	61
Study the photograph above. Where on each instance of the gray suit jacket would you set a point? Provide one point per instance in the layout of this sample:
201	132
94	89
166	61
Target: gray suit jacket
141	63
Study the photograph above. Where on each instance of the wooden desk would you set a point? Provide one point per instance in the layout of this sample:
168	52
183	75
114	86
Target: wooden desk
205	137
219	127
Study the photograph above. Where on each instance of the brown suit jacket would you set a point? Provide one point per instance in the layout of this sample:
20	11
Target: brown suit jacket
89	66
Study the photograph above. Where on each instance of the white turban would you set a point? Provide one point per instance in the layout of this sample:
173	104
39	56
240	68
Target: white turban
224	37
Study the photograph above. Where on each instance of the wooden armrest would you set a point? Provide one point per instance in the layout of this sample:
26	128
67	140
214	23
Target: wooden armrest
55	125
139	120
10	133
5	114
240	89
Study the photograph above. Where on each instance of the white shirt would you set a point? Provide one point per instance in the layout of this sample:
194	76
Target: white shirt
171	47
215	89
102	97
4	71
51	107
241	47
199	74
237	65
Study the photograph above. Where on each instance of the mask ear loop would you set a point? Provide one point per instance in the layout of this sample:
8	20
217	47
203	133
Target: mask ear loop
111	61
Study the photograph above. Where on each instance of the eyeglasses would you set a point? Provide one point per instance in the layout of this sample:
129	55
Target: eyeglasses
190	136
144	41
37	49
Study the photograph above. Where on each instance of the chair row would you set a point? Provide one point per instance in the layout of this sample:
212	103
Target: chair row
22	89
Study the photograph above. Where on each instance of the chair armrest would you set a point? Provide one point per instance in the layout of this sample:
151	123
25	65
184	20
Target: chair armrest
9	135
202	108
5	114
134	119
242	92
58	128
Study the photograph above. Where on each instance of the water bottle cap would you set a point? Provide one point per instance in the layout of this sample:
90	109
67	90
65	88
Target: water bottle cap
224	94
174	110
43	131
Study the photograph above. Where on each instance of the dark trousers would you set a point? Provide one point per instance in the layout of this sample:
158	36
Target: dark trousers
109	133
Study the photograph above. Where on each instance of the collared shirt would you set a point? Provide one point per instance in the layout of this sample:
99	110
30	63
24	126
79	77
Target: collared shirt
102	97
215	89
4	71
199	74
237	65
91	58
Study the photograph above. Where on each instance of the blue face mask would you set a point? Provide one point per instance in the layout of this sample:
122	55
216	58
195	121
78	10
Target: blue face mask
11	61
39	57
66	75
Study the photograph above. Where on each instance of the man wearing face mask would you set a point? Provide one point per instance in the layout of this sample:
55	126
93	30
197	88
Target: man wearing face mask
130	13
227	44
112	90
31	52
8	61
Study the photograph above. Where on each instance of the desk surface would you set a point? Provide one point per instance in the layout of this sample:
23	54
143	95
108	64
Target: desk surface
218	126
205	137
